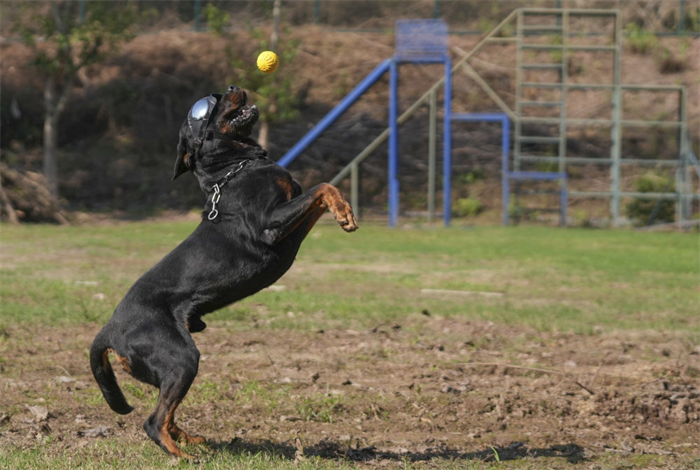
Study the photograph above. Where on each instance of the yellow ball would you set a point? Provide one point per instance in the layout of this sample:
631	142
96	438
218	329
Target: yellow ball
268	62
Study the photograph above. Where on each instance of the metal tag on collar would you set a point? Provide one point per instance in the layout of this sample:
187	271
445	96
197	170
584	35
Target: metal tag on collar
216	197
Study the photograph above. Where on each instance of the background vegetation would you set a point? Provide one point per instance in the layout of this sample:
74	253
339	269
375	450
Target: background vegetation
116	138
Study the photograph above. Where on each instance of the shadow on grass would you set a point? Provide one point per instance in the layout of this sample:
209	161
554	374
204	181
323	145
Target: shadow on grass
330	450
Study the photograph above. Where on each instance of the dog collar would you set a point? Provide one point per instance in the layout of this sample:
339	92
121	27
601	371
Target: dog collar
216	197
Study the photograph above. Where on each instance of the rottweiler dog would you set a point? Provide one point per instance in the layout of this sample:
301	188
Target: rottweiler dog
255	219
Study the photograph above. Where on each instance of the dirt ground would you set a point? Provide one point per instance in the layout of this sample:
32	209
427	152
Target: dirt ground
429	388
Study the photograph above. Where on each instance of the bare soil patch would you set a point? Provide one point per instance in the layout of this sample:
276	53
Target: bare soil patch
426	389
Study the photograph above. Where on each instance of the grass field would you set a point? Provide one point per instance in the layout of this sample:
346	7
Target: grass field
406	348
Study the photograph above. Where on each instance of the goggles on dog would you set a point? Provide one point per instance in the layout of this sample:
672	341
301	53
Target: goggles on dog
198	117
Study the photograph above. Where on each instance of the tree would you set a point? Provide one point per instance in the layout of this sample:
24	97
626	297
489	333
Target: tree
275	98
274	42
62	46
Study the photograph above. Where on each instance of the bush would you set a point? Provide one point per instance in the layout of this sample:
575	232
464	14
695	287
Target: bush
467	207
216	19
640	40
640	210
692	20
476	174
672	62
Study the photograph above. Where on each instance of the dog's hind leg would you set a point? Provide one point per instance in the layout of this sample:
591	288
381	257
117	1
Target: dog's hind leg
160	426
179	435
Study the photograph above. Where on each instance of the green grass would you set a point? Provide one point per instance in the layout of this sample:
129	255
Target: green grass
111	453
550	278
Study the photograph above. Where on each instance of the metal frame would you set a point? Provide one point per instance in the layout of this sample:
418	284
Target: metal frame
561	177
446	140
430	94
411	51
683	195
684	192
335	113
504	121
506	174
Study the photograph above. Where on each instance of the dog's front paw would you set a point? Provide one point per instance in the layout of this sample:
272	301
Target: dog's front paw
345	217
336	203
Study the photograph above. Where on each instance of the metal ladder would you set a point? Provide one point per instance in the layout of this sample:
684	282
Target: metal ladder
558	33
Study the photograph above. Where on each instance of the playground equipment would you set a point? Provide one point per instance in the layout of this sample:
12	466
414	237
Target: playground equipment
417	42
521	28
534	23
516	176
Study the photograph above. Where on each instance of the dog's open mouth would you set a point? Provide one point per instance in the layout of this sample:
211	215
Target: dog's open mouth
244	117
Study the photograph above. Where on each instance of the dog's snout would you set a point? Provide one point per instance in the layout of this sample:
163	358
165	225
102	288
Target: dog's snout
232	88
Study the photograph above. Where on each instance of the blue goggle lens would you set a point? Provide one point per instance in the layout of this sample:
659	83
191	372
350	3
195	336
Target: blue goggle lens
200	109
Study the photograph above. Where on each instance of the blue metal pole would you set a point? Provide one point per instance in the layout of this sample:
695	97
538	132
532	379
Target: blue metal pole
563	201
505	189
447	145
393	144
335	113
505	149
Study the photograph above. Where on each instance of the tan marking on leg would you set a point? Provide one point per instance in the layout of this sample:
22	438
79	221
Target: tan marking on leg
170	445
333	199
123	361
166	439
105	359
178	434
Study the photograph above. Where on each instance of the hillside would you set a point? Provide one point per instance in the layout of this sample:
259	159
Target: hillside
118	138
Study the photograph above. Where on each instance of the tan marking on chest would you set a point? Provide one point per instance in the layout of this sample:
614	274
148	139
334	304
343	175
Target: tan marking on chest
286	186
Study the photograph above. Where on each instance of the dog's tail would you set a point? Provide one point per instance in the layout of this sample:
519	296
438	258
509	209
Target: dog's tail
103	373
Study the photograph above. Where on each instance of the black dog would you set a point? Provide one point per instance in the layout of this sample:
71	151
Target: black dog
254	222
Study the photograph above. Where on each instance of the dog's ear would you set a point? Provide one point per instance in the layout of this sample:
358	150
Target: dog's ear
182	161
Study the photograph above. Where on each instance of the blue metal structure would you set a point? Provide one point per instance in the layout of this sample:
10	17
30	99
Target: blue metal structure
508	175
417	42
501	118
335	113
447	146
393	144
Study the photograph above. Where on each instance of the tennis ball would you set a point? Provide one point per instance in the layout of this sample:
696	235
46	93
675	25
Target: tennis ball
268	62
